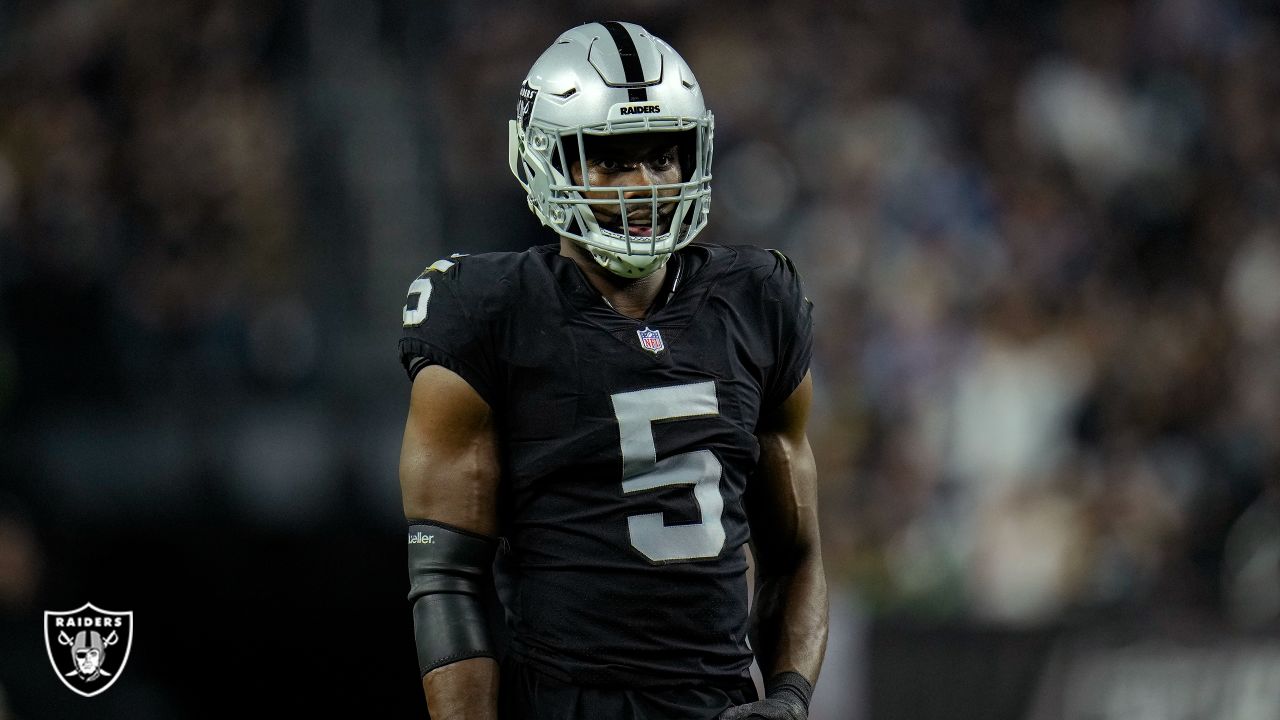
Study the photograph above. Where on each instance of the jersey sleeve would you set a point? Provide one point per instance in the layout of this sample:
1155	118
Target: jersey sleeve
792	316
442	325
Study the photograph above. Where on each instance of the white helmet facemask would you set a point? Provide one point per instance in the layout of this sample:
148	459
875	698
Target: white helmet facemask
610	79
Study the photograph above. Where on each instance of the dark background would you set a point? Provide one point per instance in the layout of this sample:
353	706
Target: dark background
1041	238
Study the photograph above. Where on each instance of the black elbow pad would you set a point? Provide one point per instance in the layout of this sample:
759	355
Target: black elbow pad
449	573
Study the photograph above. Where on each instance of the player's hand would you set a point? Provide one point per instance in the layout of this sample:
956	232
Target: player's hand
786	698
770	709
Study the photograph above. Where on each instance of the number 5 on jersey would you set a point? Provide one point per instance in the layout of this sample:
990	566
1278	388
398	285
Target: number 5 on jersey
415	306
636	412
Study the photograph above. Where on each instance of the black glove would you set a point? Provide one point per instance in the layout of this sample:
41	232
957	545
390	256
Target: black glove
786	698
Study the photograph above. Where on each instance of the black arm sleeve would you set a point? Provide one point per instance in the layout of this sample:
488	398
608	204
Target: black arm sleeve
449	575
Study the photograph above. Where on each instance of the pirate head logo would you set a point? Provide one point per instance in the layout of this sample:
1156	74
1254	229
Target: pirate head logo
88	647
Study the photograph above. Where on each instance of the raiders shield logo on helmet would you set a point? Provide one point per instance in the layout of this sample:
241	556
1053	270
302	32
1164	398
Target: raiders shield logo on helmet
88	646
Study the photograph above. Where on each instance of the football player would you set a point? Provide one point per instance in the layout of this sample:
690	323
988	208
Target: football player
613	417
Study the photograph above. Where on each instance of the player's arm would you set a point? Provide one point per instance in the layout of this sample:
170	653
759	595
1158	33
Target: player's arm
789	620
449	473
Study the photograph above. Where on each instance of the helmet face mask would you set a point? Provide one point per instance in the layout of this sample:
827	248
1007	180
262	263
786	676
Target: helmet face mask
604	80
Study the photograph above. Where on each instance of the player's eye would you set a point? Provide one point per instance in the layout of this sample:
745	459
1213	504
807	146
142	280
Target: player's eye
608	165
664	161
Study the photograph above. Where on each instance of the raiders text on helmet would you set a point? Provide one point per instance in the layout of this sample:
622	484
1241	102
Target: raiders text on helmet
605	79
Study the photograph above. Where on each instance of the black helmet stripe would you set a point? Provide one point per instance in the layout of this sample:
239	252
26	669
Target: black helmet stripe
630	59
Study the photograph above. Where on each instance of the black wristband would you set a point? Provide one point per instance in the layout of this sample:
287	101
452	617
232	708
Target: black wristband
789	685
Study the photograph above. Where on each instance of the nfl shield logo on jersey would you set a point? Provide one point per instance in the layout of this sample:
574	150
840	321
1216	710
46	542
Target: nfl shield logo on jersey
88	647
651	340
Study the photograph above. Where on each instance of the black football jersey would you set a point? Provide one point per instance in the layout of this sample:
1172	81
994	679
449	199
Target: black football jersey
627	446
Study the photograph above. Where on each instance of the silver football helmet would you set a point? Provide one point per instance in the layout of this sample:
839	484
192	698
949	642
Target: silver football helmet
604	79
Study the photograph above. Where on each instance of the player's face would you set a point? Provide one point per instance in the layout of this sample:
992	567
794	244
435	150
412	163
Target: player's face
629	160
87	661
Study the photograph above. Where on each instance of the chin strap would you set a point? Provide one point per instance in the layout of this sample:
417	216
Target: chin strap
617	265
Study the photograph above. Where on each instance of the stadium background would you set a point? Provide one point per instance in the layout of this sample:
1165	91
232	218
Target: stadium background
1042	240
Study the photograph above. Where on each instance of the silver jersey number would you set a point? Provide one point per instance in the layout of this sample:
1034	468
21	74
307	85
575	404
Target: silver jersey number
637	411
415	307
417	314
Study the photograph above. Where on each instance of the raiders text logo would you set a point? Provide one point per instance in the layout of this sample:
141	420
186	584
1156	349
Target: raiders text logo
640	109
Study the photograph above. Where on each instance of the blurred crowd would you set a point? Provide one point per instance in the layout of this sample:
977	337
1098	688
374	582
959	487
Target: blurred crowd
1042	241
1044	248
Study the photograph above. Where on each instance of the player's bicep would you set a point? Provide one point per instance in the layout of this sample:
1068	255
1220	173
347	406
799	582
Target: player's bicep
781	500
449	468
